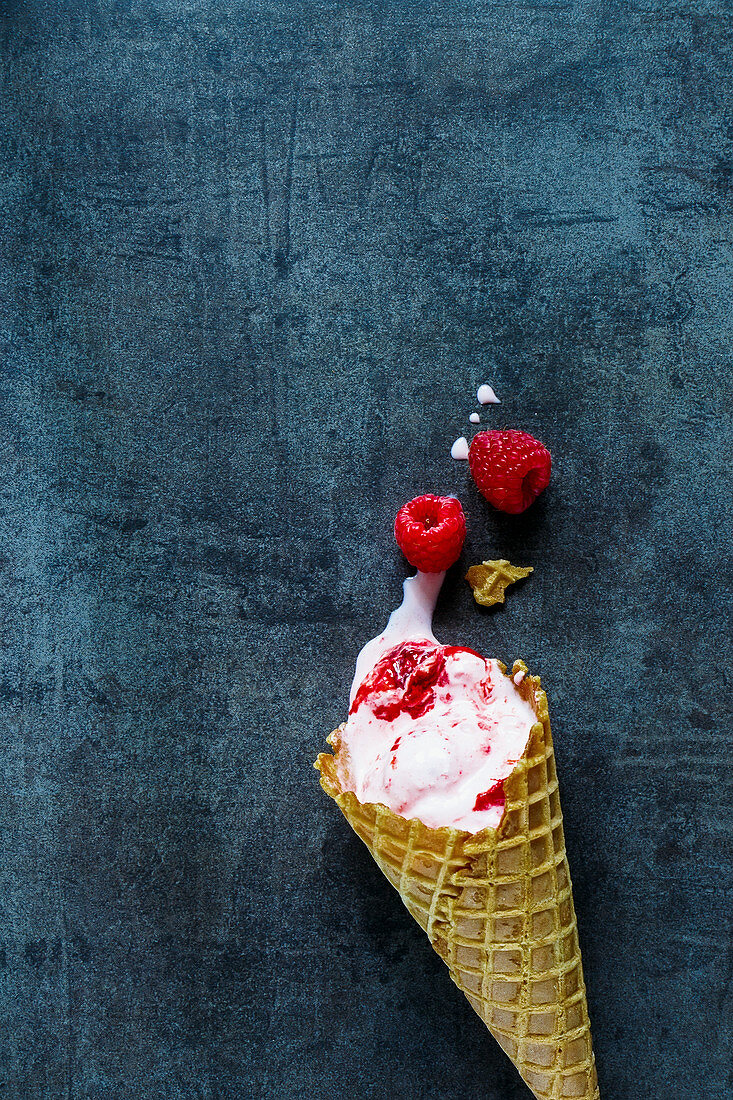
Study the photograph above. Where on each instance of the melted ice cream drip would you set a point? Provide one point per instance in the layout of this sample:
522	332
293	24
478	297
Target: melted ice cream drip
412	619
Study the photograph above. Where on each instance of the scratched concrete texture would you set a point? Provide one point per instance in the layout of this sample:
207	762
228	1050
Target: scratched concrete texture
255	259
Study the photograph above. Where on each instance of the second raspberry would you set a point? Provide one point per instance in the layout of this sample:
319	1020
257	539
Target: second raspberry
510	468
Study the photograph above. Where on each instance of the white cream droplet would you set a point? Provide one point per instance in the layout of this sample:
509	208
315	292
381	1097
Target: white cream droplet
460	448
519	676
475	418
486	396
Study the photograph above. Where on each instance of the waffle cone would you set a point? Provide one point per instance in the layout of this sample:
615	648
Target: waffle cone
498	908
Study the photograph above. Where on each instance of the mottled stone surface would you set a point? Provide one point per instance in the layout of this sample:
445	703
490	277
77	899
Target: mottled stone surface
255	258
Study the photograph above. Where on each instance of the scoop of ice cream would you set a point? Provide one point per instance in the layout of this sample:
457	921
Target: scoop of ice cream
432	733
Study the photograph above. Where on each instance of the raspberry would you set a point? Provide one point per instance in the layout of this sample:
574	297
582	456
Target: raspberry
509	467
430	531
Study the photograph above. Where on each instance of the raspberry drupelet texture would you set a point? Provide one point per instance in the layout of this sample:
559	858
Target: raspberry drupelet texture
430	531
510	468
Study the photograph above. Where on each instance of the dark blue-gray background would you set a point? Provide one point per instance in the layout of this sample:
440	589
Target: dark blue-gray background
255	259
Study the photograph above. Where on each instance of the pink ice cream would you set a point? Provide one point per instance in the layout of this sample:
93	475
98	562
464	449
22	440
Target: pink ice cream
433	730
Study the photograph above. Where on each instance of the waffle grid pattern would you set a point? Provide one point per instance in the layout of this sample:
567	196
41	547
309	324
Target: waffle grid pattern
498	908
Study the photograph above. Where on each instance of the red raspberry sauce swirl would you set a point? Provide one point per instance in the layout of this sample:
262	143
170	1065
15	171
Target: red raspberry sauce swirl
493	797
404	680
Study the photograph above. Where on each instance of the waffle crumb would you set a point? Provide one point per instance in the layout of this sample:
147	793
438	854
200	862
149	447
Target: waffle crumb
491	579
